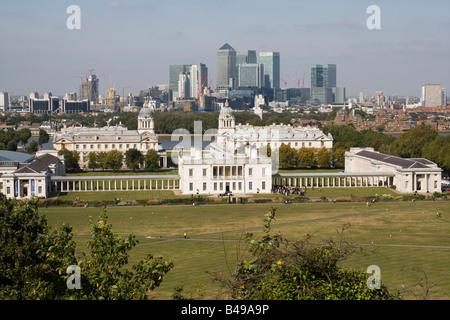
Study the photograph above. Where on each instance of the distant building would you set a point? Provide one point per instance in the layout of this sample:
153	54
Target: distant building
431	95
250	75
49	104
409	175
271	69
73	106
324	88
4	101
226	67
188	81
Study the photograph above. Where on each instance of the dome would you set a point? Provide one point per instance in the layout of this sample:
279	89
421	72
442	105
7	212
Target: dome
225	111
145	112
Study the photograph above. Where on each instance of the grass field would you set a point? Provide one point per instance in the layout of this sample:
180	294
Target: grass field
396	236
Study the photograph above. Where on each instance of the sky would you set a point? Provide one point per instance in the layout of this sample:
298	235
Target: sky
134	42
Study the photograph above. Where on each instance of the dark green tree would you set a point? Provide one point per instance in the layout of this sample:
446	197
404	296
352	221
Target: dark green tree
114	160
287	157
71	159
133	159
43	137
151	160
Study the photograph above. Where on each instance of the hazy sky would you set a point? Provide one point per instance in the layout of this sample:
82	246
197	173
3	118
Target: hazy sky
135	41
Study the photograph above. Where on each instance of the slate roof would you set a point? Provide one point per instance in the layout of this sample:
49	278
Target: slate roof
401	162
15	156
38	164
226	46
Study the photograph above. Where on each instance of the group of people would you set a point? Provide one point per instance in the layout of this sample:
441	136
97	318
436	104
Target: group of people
287	190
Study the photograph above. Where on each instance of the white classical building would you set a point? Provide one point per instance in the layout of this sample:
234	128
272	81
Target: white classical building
410	175
236	137
23	176
85	140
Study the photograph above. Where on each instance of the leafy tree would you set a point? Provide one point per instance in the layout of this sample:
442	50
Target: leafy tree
33	255
43	137
35	258
24	135
338	155
151	160
278	269
306	157
11	145
324	158
71	159
411	143
101	160
287	157
32	147
114	160
133	158
93	162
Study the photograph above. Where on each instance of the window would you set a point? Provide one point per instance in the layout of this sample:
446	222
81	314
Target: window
39	189
263	186
204	172
92	146
77	146
250	171
240	186
250	185
310	144
215	186
263	171
191	186
191	172
106	146
204	186
8	190
234	185
221	186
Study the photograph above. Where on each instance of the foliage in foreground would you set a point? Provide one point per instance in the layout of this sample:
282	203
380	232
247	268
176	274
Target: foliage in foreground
35	259
282	270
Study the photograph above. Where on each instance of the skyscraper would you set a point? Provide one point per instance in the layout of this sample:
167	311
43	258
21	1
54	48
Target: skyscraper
323	85
323	75
226	66
4	101
271	65
250	75
193	77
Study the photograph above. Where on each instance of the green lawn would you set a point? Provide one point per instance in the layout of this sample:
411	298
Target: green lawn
402	233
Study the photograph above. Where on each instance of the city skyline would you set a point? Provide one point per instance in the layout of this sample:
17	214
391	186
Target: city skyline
135	42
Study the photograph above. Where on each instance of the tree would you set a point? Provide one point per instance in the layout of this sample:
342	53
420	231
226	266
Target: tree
287	157
133	159
23	135
101	160
411	143
114	160
151	160
278	269
11	145
71	159
306	157
43	137
324	158
32	147
35	258
93	162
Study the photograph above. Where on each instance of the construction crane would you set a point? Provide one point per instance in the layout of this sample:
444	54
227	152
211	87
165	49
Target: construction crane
123	94
285	83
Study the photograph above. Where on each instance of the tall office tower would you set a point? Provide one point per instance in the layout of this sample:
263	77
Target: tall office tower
33	95
199	79
184	85
250	75
4	101
226	67
323	75
174	76
323	85
246	56
431	95
271	64
361	97
444	96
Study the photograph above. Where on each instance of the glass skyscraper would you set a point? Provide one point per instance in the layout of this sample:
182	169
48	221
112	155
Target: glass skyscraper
271	65
323	75
226	66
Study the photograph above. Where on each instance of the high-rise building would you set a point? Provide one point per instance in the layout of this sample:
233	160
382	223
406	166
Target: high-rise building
323	85
49	104
226	67
271	64
188	81
323	75
444	96
4	101
431	95
250	75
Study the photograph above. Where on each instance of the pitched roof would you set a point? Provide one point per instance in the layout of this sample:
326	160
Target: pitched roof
38	164
226	46
403	163
15	156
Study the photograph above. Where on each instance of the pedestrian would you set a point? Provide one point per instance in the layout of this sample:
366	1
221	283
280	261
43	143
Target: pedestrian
185	235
